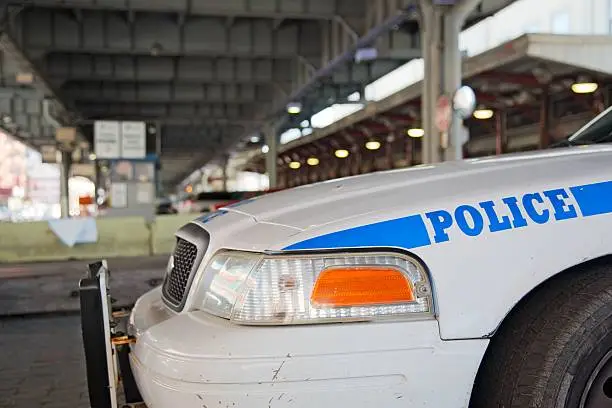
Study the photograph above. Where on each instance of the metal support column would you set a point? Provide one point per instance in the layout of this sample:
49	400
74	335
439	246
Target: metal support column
158	152
545	119
451	65
389	154
98	181
64	186
599	104
271	165
431	27
500	132
440	28
225	163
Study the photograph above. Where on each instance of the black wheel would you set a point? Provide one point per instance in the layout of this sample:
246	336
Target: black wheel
555	349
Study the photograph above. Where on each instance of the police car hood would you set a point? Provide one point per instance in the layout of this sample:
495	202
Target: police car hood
348	202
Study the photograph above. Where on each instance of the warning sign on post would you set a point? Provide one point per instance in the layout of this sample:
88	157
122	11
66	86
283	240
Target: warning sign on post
107	139
443	113
133	140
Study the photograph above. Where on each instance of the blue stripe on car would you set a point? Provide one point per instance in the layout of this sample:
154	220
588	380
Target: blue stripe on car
491	216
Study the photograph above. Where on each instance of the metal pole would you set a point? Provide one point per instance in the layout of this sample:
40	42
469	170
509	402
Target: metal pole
64	186
435	85
424	23
271	165
545	118
500	132
158	152
452	66
158	140
432	81
452	81
225	164
98	182
63	161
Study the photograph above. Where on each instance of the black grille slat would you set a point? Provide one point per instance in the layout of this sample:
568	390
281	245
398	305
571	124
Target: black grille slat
175	284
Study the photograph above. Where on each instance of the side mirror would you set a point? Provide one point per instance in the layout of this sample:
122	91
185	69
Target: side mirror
464	101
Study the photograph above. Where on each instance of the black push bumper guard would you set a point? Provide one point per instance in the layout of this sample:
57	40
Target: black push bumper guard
105	341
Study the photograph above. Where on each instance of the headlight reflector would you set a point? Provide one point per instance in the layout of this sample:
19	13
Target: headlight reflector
299	289
224	278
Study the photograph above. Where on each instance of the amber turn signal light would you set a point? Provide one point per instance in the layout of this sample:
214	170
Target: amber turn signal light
361	286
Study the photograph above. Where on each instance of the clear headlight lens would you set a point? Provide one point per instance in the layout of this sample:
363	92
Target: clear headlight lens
298	289
223	281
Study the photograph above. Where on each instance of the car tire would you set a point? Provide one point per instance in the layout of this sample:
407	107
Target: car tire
554	350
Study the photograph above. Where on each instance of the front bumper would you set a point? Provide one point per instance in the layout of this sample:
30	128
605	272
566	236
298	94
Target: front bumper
196	360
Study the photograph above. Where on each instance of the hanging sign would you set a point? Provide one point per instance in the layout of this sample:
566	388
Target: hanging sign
107	139
133	140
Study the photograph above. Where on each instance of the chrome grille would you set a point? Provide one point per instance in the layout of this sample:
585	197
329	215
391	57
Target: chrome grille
175	284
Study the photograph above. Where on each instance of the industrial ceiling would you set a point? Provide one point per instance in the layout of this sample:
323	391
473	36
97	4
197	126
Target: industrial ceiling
208	72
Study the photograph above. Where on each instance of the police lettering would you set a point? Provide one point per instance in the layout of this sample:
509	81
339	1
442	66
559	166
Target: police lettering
511	213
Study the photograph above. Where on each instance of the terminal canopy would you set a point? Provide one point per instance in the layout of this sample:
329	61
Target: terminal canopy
531	92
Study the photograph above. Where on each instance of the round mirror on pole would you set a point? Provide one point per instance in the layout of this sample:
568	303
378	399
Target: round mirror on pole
464	101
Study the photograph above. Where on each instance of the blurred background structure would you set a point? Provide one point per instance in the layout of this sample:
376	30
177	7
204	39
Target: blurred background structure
224	95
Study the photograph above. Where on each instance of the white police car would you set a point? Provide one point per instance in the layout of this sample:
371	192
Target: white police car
480	283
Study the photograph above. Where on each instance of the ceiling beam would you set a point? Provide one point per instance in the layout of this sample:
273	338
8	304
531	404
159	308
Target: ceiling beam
303	9
155	34
167	92
174	120
183	110
61	67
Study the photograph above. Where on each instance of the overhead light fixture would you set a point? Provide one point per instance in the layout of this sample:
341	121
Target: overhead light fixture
366	54
24	78
305	123
341	153
295	165
265	149
372	145
254	139
483	113
312	161
354	97
584	86
415	132
294	108
92	156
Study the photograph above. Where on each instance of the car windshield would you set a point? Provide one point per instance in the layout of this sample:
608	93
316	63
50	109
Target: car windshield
598	130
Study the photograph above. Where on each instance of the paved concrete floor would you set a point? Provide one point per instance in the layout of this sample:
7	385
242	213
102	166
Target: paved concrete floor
41	352
53	287
42	363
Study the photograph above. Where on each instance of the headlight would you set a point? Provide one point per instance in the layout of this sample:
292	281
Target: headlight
296	289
